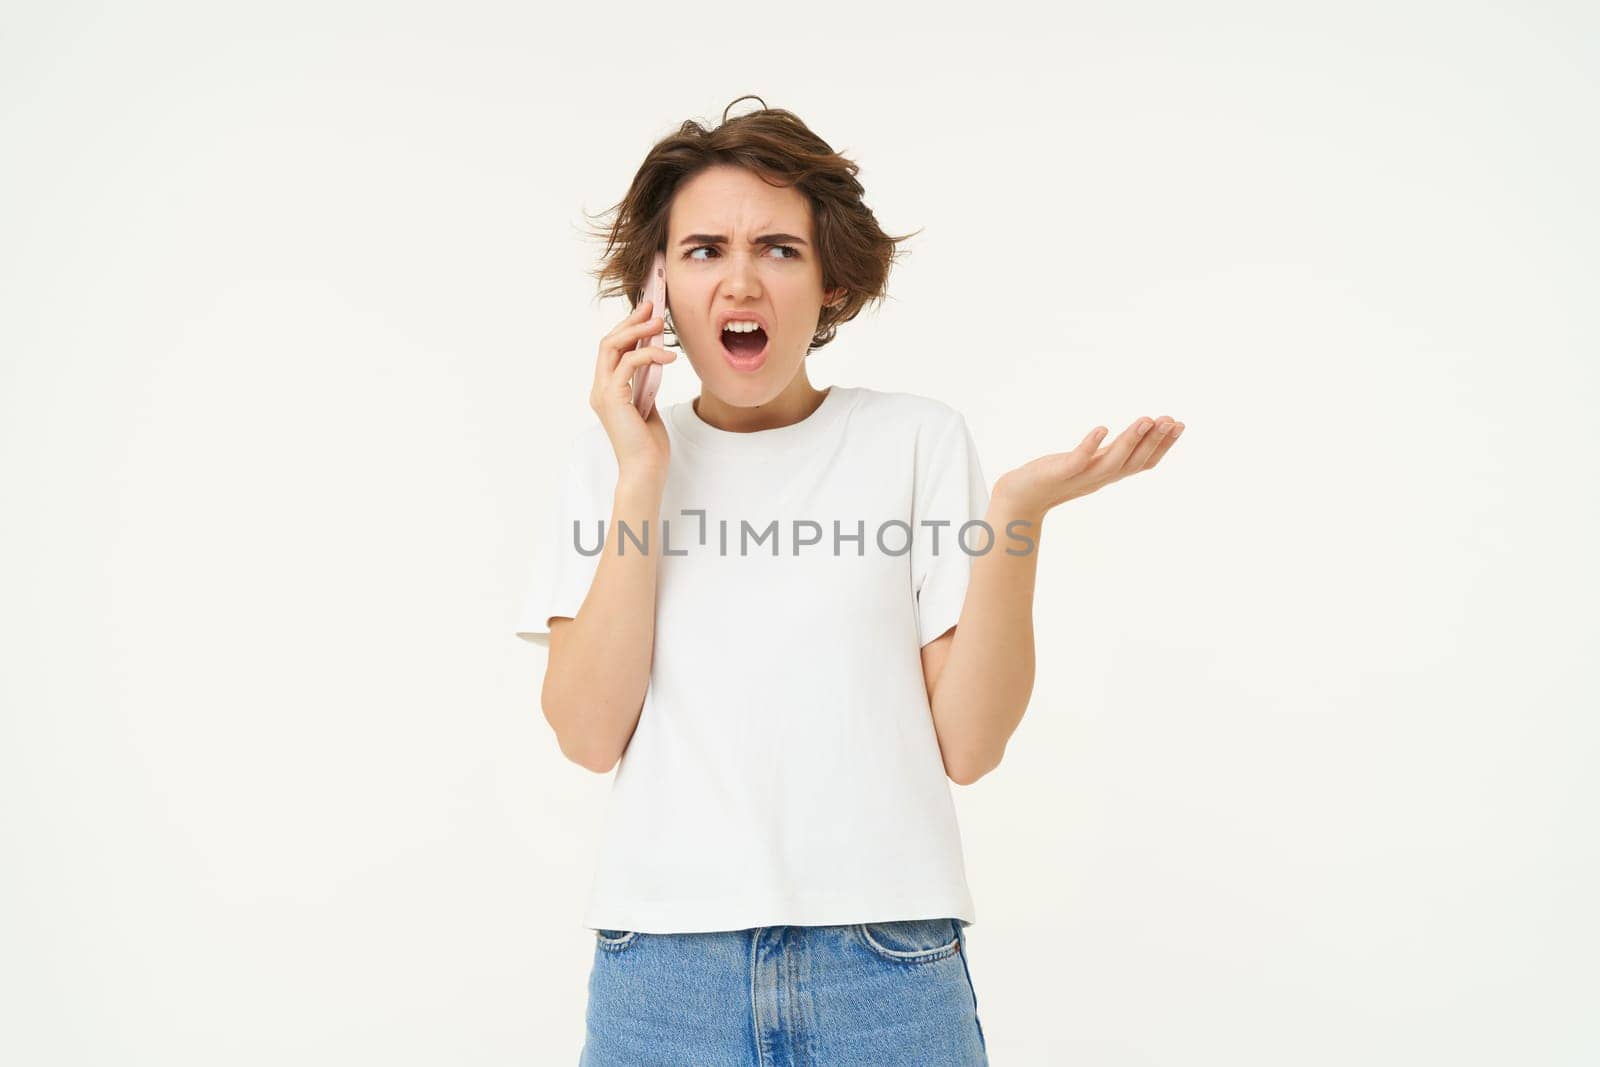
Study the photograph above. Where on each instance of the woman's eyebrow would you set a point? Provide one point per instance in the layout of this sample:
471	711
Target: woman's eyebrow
764	239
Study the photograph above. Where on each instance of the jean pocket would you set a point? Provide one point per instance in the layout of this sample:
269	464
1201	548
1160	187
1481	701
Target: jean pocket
911	940
615	940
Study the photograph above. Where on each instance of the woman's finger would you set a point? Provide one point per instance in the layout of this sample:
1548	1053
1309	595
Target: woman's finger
623	339
1108	461
1152	439
1172	435
641	311
618	382
636	358
624	336
1086	452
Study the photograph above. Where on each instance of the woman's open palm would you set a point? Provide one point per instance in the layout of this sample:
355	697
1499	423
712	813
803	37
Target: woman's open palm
1041	484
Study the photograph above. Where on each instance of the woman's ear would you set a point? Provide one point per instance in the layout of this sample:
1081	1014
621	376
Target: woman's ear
834	297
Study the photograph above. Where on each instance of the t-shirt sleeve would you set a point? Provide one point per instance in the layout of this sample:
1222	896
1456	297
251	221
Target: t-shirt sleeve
950	491
561	573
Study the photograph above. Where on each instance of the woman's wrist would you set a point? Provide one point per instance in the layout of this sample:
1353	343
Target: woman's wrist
1007	507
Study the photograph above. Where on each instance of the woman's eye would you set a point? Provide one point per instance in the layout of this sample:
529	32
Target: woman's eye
794	253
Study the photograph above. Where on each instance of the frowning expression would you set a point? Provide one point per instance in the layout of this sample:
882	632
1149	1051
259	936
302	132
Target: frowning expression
741	252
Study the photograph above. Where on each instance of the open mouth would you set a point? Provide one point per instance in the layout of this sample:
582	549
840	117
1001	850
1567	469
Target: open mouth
745	345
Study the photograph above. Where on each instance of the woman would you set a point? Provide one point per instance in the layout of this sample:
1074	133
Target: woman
785	616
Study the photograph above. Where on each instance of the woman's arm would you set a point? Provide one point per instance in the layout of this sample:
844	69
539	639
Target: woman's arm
599	665
980	673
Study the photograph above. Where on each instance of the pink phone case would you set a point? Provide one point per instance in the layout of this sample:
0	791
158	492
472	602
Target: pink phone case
647	379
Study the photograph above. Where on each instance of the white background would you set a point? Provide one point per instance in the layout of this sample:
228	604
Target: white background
295	318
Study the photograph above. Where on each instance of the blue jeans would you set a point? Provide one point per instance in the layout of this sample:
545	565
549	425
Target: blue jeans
874	994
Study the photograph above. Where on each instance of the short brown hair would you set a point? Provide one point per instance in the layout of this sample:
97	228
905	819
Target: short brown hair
775	145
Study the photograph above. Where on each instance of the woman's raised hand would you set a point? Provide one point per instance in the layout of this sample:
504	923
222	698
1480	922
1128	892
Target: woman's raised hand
640	444
1041	484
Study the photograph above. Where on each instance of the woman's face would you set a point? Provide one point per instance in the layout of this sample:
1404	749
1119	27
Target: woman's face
738	245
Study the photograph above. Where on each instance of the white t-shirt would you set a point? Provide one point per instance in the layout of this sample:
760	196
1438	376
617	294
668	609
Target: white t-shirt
785	769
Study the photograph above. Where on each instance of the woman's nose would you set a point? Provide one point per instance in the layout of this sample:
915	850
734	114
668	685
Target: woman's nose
742	279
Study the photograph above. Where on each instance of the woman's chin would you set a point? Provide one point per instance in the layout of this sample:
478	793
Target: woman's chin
741	385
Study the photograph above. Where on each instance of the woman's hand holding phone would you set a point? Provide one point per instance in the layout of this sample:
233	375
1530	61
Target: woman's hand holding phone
640	443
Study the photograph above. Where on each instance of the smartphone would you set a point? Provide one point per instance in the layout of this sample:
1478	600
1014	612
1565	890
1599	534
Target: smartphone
647	379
